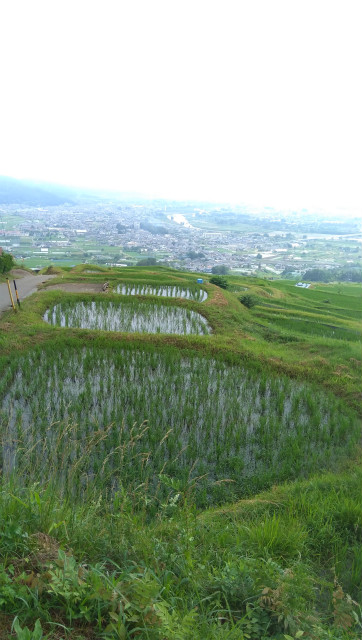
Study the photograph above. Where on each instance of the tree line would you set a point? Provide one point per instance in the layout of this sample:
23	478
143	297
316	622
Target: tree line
351	273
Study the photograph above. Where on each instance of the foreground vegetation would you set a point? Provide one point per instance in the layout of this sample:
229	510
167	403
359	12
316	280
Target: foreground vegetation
6	264
283	563
132	466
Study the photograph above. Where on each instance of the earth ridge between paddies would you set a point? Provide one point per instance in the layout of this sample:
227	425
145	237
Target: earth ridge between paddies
245	428
257	335
112	444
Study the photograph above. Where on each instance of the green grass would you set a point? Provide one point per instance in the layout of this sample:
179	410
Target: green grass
10	221
118	528
280	563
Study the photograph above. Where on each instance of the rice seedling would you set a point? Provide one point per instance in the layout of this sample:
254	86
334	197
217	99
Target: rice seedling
130	316
244	430
109	444
315	328
189	293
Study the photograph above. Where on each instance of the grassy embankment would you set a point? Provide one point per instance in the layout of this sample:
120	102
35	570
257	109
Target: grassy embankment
110	525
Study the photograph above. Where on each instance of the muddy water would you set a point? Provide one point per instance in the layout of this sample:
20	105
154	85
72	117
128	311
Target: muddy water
170	292
147	318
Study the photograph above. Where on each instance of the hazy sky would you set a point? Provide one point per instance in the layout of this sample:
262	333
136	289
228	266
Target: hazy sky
239	100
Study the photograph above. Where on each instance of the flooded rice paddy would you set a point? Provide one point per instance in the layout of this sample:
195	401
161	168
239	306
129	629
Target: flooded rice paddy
199	295
128	415
131	316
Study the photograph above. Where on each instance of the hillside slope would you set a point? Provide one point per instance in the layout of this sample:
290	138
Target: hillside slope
13	191
161	481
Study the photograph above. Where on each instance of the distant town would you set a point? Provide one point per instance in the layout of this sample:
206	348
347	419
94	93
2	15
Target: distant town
191	236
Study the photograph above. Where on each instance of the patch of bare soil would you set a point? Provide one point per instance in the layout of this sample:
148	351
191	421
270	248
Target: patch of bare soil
45	550
78	287
5	626
6	326
217	299
20	273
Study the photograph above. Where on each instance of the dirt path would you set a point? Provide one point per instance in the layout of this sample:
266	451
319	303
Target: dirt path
26	285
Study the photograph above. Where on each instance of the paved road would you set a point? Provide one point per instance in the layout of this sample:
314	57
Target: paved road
26	286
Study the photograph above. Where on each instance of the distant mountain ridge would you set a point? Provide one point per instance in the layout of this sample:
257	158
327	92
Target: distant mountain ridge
14	191
39	193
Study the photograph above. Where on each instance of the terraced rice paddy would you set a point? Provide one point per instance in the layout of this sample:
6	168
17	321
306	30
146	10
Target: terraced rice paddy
317	328
130	316
199	295
121	415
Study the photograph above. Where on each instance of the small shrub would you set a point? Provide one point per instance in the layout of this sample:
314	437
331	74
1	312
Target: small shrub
6	262
275	537
248	300
146	262
220	281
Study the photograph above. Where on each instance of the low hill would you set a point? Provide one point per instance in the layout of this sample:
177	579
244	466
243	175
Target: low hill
13	191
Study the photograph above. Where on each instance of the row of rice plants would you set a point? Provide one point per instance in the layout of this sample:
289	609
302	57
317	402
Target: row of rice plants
190	293
314	327
123	416
130	316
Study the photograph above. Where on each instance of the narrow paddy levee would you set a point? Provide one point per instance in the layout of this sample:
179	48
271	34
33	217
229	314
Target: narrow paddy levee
199	295
121	416
131	316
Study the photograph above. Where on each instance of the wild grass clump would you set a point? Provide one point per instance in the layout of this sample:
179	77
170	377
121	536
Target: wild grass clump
248	300
98	568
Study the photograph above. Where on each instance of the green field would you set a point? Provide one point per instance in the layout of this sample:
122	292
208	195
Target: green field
168	485
10	221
